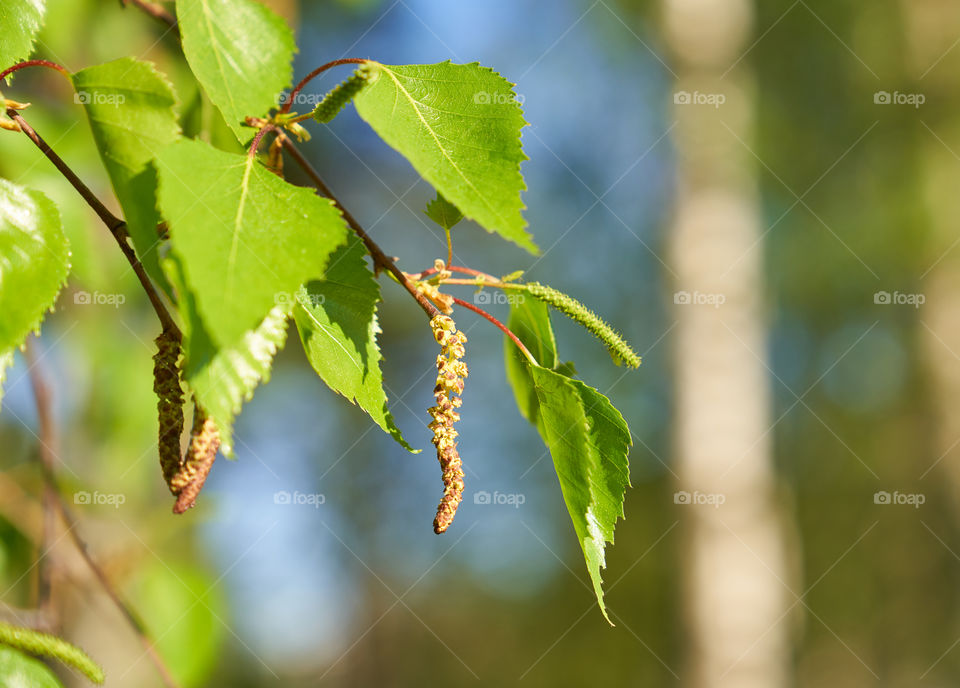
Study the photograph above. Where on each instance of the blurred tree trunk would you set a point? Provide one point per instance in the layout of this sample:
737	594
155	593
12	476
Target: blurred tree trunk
736	576
933	59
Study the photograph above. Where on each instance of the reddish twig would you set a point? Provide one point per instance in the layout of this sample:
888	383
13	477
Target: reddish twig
316	72
380	259
117	227
34	63
258	138
506	330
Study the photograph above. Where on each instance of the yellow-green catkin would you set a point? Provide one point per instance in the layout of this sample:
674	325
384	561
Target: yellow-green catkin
593	323
451	371
46	645
334	101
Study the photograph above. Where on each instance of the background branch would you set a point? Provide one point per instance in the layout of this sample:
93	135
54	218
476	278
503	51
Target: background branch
54	501
155	11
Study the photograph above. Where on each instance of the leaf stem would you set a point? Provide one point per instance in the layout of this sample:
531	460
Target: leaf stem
117	227
316	72
34	63
42	397
380	259
516	340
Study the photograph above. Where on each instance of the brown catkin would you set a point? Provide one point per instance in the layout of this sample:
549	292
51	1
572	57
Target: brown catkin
166	384
450	374
204	443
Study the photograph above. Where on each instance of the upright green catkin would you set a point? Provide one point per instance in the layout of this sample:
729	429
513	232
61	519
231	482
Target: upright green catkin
166	385
593	323
46	645
334	101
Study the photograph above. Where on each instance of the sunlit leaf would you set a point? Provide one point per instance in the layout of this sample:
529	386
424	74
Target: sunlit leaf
130	108
587	437
223	377
337	319
34	261
241	52
246	238
459	126
20	20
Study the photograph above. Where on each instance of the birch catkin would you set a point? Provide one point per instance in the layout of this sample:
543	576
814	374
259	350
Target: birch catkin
189	480
593	323
166	385
451	372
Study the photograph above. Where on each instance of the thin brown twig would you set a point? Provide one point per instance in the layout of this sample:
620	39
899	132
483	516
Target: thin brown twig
117	227
155	11
47	465
380	259
503	328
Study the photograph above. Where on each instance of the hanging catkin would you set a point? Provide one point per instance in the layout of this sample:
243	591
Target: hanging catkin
166	385
204	443
450	374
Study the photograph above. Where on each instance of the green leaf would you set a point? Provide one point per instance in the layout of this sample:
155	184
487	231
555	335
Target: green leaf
222	378
587	437
337	320
20	21
459	126
240	52
182	606
130	108
589	442
20	671
443	212
34	261
530	321
247	239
